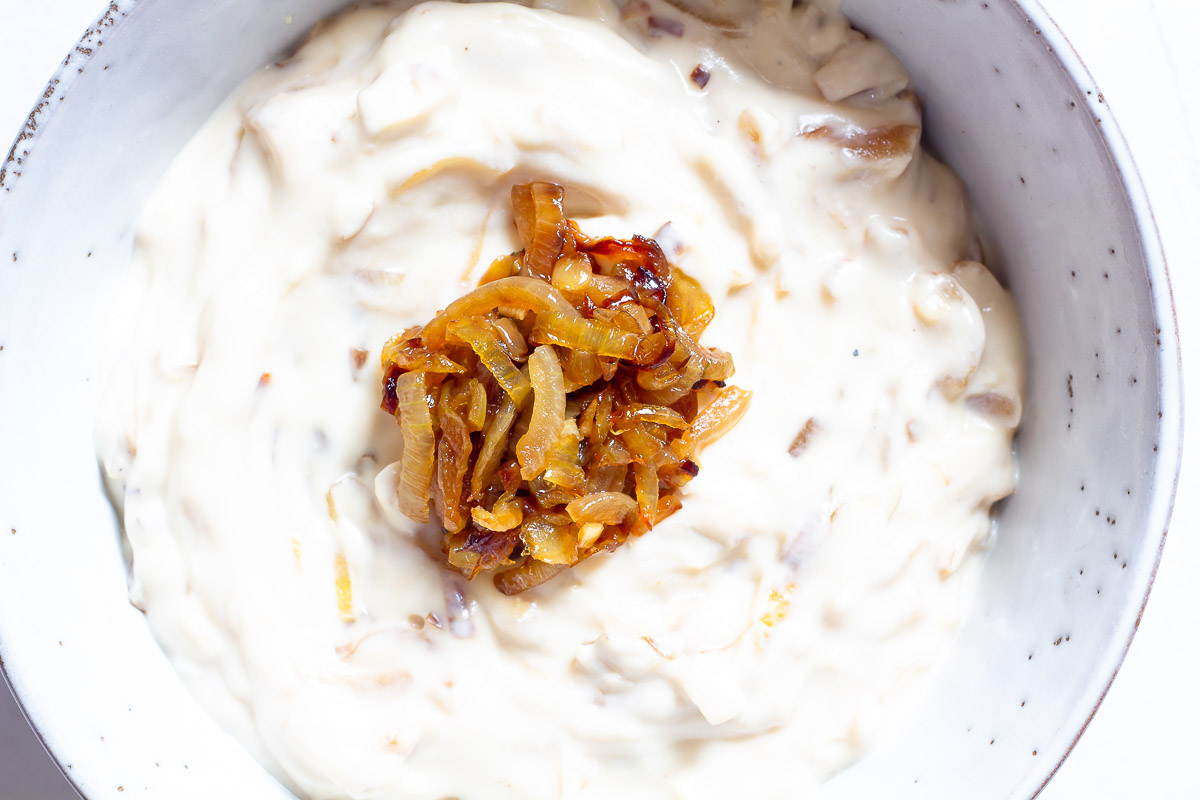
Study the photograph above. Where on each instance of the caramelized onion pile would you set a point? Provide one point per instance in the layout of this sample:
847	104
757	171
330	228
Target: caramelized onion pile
557	409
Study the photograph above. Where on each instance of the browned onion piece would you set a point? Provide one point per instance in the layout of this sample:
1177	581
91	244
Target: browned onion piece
563	469
494	443
587	335
589	532
668	504
417	461
581	369
611	453
549	409
572	274
548	542
642	445
690	304
504	516
403	353
530	574
453	454
512	312
503	267
570	385
515	292
606	478
474	550
541	224
646	481
715	419
605	291
609	254
487	346
659	415
633	317
660	378
604	413
719	366
610	508
511	339
477	407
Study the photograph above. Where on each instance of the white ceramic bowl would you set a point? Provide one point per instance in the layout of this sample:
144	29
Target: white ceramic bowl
1007	104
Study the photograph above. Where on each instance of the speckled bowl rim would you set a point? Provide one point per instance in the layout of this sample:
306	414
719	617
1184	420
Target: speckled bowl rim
73	65
1171	381
1038	19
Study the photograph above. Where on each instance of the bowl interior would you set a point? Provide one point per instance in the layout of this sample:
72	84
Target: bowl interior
1076	548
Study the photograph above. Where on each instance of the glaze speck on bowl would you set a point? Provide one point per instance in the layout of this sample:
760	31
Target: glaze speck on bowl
1058	199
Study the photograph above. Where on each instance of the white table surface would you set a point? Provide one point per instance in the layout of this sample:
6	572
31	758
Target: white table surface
1144	741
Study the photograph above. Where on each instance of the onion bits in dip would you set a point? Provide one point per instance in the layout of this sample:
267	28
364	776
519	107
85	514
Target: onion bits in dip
557	409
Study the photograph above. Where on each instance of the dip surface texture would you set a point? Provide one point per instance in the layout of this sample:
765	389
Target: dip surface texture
749	646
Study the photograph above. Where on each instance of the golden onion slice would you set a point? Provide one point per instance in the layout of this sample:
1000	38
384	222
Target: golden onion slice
487	346
417	461
549	412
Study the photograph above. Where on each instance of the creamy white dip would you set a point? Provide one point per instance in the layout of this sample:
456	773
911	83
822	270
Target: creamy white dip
751	645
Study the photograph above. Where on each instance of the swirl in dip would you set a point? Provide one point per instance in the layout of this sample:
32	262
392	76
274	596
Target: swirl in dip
750	645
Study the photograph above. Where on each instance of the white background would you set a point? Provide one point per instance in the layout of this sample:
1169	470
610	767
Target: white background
1145	741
